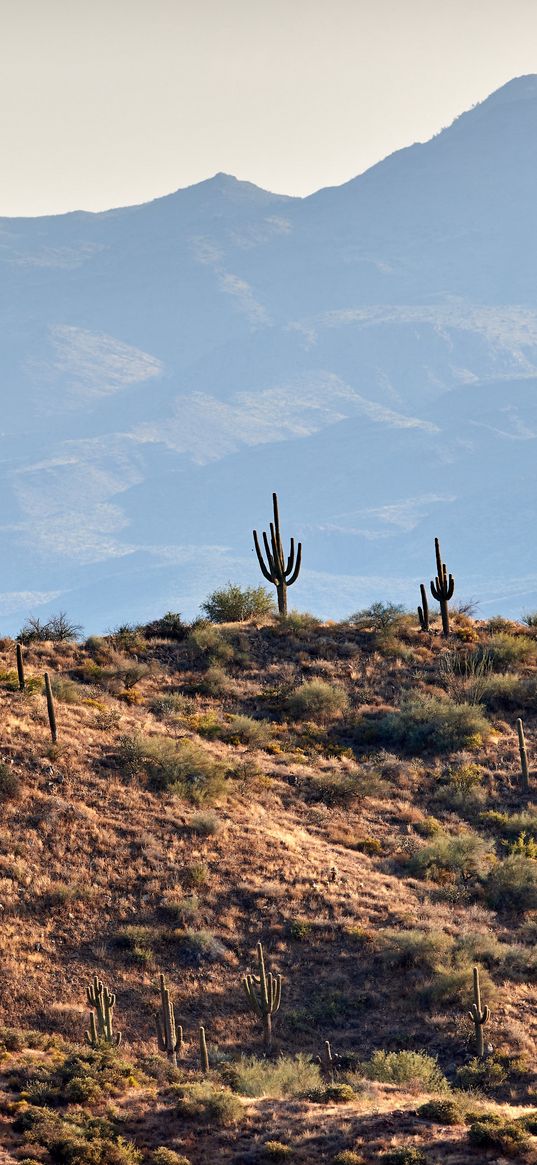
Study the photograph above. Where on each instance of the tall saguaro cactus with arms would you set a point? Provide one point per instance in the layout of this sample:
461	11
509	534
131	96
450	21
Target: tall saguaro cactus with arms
442	588
102	1002
281	573
264	994
169	1038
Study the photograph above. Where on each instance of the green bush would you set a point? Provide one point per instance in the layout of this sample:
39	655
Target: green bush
332	1094
406	1155
441	1111
505	652
245	730
426	724
465	855
176	766
407	1069
286	1076
169	626
204	824
65	690
209	644
379	617
207	1102
10	783
276	1151
317	700
164	1156
423	949
494	1132
348	1157
234	604
481	1075
453	987
335	786
512	885
200	946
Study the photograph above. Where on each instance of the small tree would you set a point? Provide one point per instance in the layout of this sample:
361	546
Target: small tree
234	604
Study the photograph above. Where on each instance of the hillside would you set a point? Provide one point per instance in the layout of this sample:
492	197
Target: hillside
371	351
348	794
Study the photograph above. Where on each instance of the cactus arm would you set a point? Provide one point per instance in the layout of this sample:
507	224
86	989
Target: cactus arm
264	570
298	564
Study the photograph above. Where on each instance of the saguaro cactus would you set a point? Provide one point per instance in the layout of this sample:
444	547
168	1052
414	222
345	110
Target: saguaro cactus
524	769
20	668
169	1038
423	611
327	1061
264	994
102	1002
204	1055
442	588
276	570
479	1016
50	709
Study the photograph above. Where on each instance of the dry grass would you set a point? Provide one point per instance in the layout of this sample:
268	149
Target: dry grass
313	853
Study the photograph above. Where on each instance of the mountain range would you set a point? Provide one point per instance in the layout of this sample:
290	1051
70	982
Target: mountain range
369	351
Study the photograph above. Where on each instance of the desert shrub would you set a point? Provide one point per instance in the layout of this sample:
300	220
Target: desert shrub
210	1103
164	1156
169	626
276	1151
461	790
408	1069
512	885
172	704
286	1076
204	824
234	604
441	1111
491	1131
453	987
335	786
179	910
508	691
481	1075
379	617
138	941
465	855
348	1157
405	1155
66	690
245	730
57	629
426	724
176	766
317	700
504	652
511	825
299	623
332	1094
426	949
10	783
214	682
209	644
200	946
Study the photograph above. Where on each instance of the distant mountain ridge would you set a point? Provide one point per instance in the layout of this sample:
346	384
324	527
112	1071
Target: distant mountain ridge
370	351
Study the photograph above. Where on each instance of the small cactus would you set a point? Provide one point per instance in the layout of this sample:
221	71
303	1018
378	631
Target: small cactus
276	570
264	994
50	709
442	588
169	1038
204	1055
328	1061
524	769
423	610
20	668
102	1003
479	1016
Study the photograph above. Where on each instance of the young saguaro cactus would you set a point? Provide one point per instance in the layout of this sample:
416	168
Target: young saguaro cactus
102	1003
204	1055
50	709
524	768
20	668
276	570
479	1016
169	1038
442	588
423	611
264	994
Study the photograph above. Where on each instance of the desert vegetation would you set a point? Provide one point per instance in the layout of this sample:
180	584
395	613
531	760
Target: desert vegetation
268	887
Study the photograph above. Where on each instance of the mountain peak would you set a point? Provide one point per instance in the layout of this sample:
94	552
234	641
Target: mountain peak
522	88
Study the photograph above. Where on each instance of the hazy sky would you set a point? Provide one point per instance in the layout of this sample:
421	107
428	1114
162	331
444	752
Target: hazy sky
109	102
